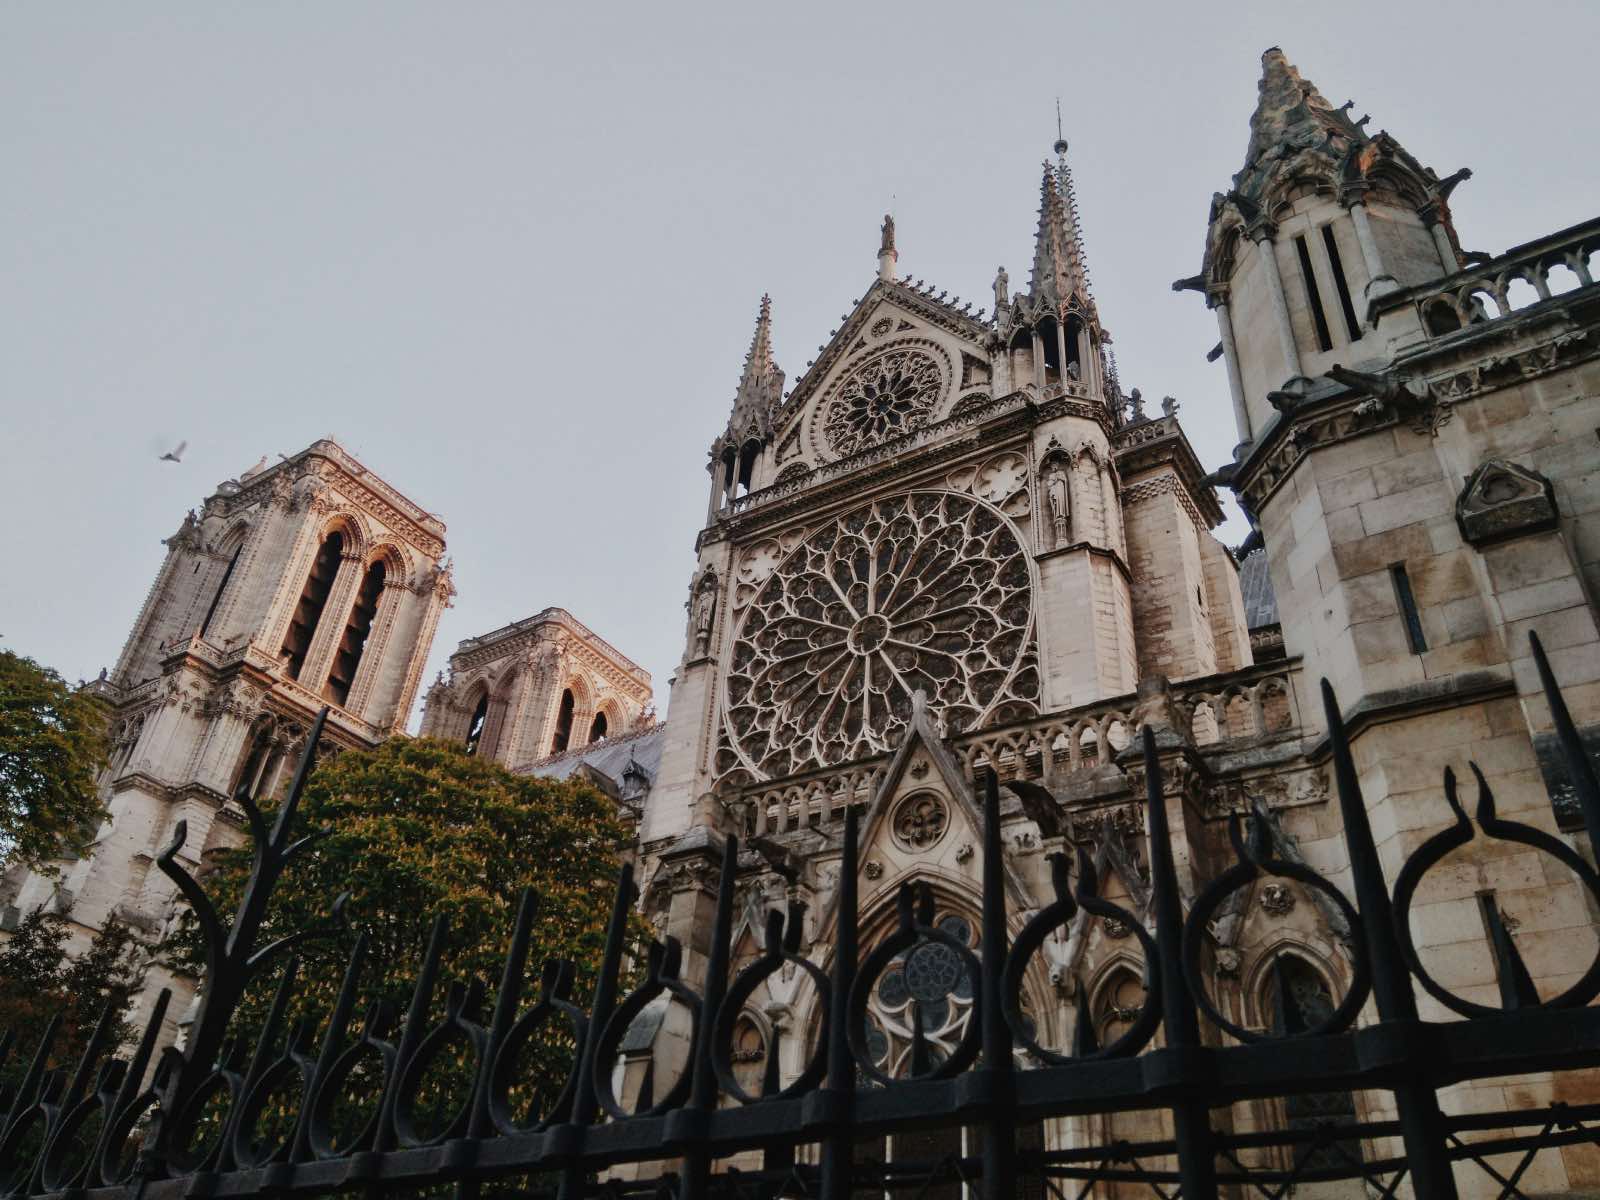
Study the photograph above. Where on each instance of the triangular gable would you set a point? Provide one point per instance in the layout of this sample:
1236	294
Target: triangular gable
916	301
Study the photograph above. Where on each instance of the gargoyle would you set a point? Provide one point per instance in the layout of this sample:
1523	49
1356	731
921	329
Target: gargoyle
1040	807
1409	398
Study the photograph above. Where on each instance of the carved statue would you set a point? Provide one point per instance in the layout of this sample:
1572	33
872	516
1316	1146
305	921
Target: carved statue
705	613
1058	498
1169	406
1002	291
886	246
1137	401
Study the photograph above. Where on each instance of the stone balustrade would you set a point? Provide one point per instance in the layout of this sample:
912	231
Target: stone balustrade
1510	283
1250	705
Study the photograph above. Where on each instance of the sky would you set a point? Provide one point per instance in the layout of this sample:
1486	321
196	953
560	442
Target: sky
510	255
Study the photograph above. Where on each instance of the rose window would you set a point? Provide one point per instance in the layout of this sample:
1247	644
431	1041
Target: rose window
885	396
926	592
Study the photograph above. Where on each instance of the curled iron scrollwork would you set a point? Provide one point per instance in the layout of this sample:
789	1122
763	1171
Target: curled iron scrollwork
783	946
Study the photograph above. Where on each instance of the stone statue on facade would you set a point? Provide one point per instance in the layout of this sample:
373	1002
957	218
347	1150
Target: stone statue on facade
1058	498
1002	291
705	614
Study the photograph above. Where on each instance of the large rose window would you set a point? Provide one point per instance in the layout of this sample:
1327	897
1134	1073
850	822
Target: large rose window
887	395
926	592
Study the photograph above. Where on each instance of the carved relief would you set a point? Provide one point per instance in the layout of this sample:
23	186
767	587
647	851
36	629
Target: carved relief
1504	500
920	821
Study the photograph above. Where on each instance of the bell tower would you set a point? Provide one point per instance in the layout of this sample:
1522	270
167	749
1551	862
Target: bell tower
309	583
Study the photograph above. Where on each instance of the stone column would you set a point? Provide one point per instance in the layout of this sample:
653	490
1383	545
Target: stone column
1378	283
436	596
330	625
1230	356
1061	350
1431	217
1280	304
1038	356
376	651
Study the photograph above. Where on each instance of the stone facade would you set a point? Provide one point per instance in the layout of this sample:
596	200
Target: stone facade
309	583
542	687
956	546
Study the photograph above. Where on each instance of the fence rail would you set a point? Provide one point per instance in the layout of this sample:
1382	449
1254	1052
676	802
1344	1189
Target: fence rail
200	1126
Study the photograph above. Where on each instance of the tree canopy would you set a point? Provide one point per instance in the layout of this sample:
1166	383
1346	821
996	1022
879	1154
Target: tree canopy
53	745
38	981
417	828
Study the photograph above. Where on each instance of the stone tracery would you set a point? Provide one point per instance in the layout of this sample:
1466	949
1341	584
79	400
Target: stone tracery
889	394
929	591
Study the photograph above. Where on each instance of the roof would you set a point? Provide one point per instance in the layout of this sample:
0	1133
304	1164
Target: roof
1260	605
610	757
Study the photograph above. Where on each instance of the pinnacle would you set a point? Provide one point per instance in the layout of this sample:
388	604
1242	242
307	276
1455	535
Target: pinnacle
1290	111
761	383
1059	270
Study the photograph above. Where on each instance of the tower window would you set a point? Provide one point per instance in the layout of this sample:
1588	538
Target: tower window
1341	283
1408	609
1313	297
598	729
480	716
348	657
221	587
563	736
313	598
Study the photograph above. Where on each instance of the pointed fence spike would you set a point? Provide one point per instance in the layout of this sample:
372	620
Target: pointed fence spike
1516	984
1580	771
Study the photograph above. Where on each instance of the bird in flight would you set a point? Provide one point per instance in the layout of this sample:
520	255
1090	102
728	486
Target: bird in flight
175	455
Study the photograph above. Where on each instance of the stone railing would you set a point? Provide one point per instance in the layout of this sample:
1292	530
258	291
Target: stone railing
1245	706
1516	280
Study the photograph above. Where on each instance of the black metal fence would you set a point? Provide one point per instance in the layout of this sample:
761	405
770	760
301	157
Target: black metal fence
283	1119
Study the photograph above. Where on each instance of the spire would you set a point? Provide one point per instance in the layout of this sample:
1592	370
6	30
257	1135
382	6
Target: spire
1059	270
1291	116
761	385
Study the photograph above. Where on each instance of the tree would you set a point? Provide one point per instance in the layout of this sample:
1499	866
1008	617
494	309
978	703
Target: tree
53	746
38	980
417	828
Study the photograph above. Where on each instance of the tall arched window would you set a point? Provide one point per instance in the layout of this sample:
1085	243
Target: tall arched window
348	657
563	737
480	717
598	729
313	599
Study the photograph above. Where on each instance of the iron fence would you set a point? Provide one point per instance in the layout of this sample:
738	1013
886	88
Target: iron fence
200	1122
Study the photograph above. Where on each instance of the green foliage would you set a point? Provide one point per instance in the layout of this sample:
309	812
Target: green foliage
38	980
417	828
53	745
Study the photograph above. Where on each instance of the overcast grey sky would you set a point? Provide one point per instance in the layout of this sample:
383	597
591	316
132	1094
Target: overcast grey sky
511	254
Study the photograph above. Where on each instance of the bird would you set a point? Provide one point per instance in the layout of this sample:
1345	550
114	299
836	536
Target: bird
175	455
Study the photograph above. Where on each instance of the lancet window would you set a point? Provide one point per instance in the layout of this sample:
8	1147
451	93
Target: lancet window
313	599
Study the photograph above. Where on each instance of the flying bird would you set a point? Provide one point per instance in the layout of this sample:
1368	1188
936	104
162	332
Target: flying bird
175	455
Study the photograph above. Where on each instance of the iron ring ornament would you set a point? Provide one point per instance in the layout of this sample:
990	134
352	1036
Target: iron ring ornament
663	967
1428	855
1058	914
554	1006
914	931
893	392
371	1050
1252	864
783	946
926	591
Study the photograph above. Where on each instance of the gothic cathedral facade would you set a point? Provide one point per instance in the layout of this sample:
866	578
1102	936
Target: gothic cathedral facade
955	547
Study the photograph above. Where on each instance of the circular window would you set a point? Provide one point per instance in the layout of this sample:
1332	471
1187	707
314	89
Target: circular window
891	393
926	592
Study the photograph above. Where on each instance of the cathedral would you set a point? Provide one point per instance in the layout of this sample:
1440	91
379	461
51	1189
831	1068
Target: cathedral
954	546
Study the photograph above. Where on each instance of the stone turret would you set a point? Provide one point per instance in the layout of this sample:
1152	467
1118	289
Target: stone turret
738	451
1322	220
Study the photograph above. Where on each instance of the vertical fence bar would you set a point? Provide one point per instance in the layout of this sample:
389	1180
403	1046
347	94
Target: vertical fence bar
696	1174
584	1102
1191	1119
838	1149
999	1132
1421	1124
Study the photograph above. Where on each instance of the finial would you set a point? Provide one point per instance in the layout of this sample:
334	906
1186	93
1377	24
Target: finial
888	256
1061	138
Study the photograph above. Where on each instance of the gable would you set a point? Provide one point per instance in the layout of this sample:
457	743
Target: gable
896	365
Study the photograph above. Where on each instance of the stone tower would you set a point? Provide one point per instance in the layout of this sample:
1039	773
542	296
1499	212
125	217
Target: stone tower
309	583
537	688
1417	447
